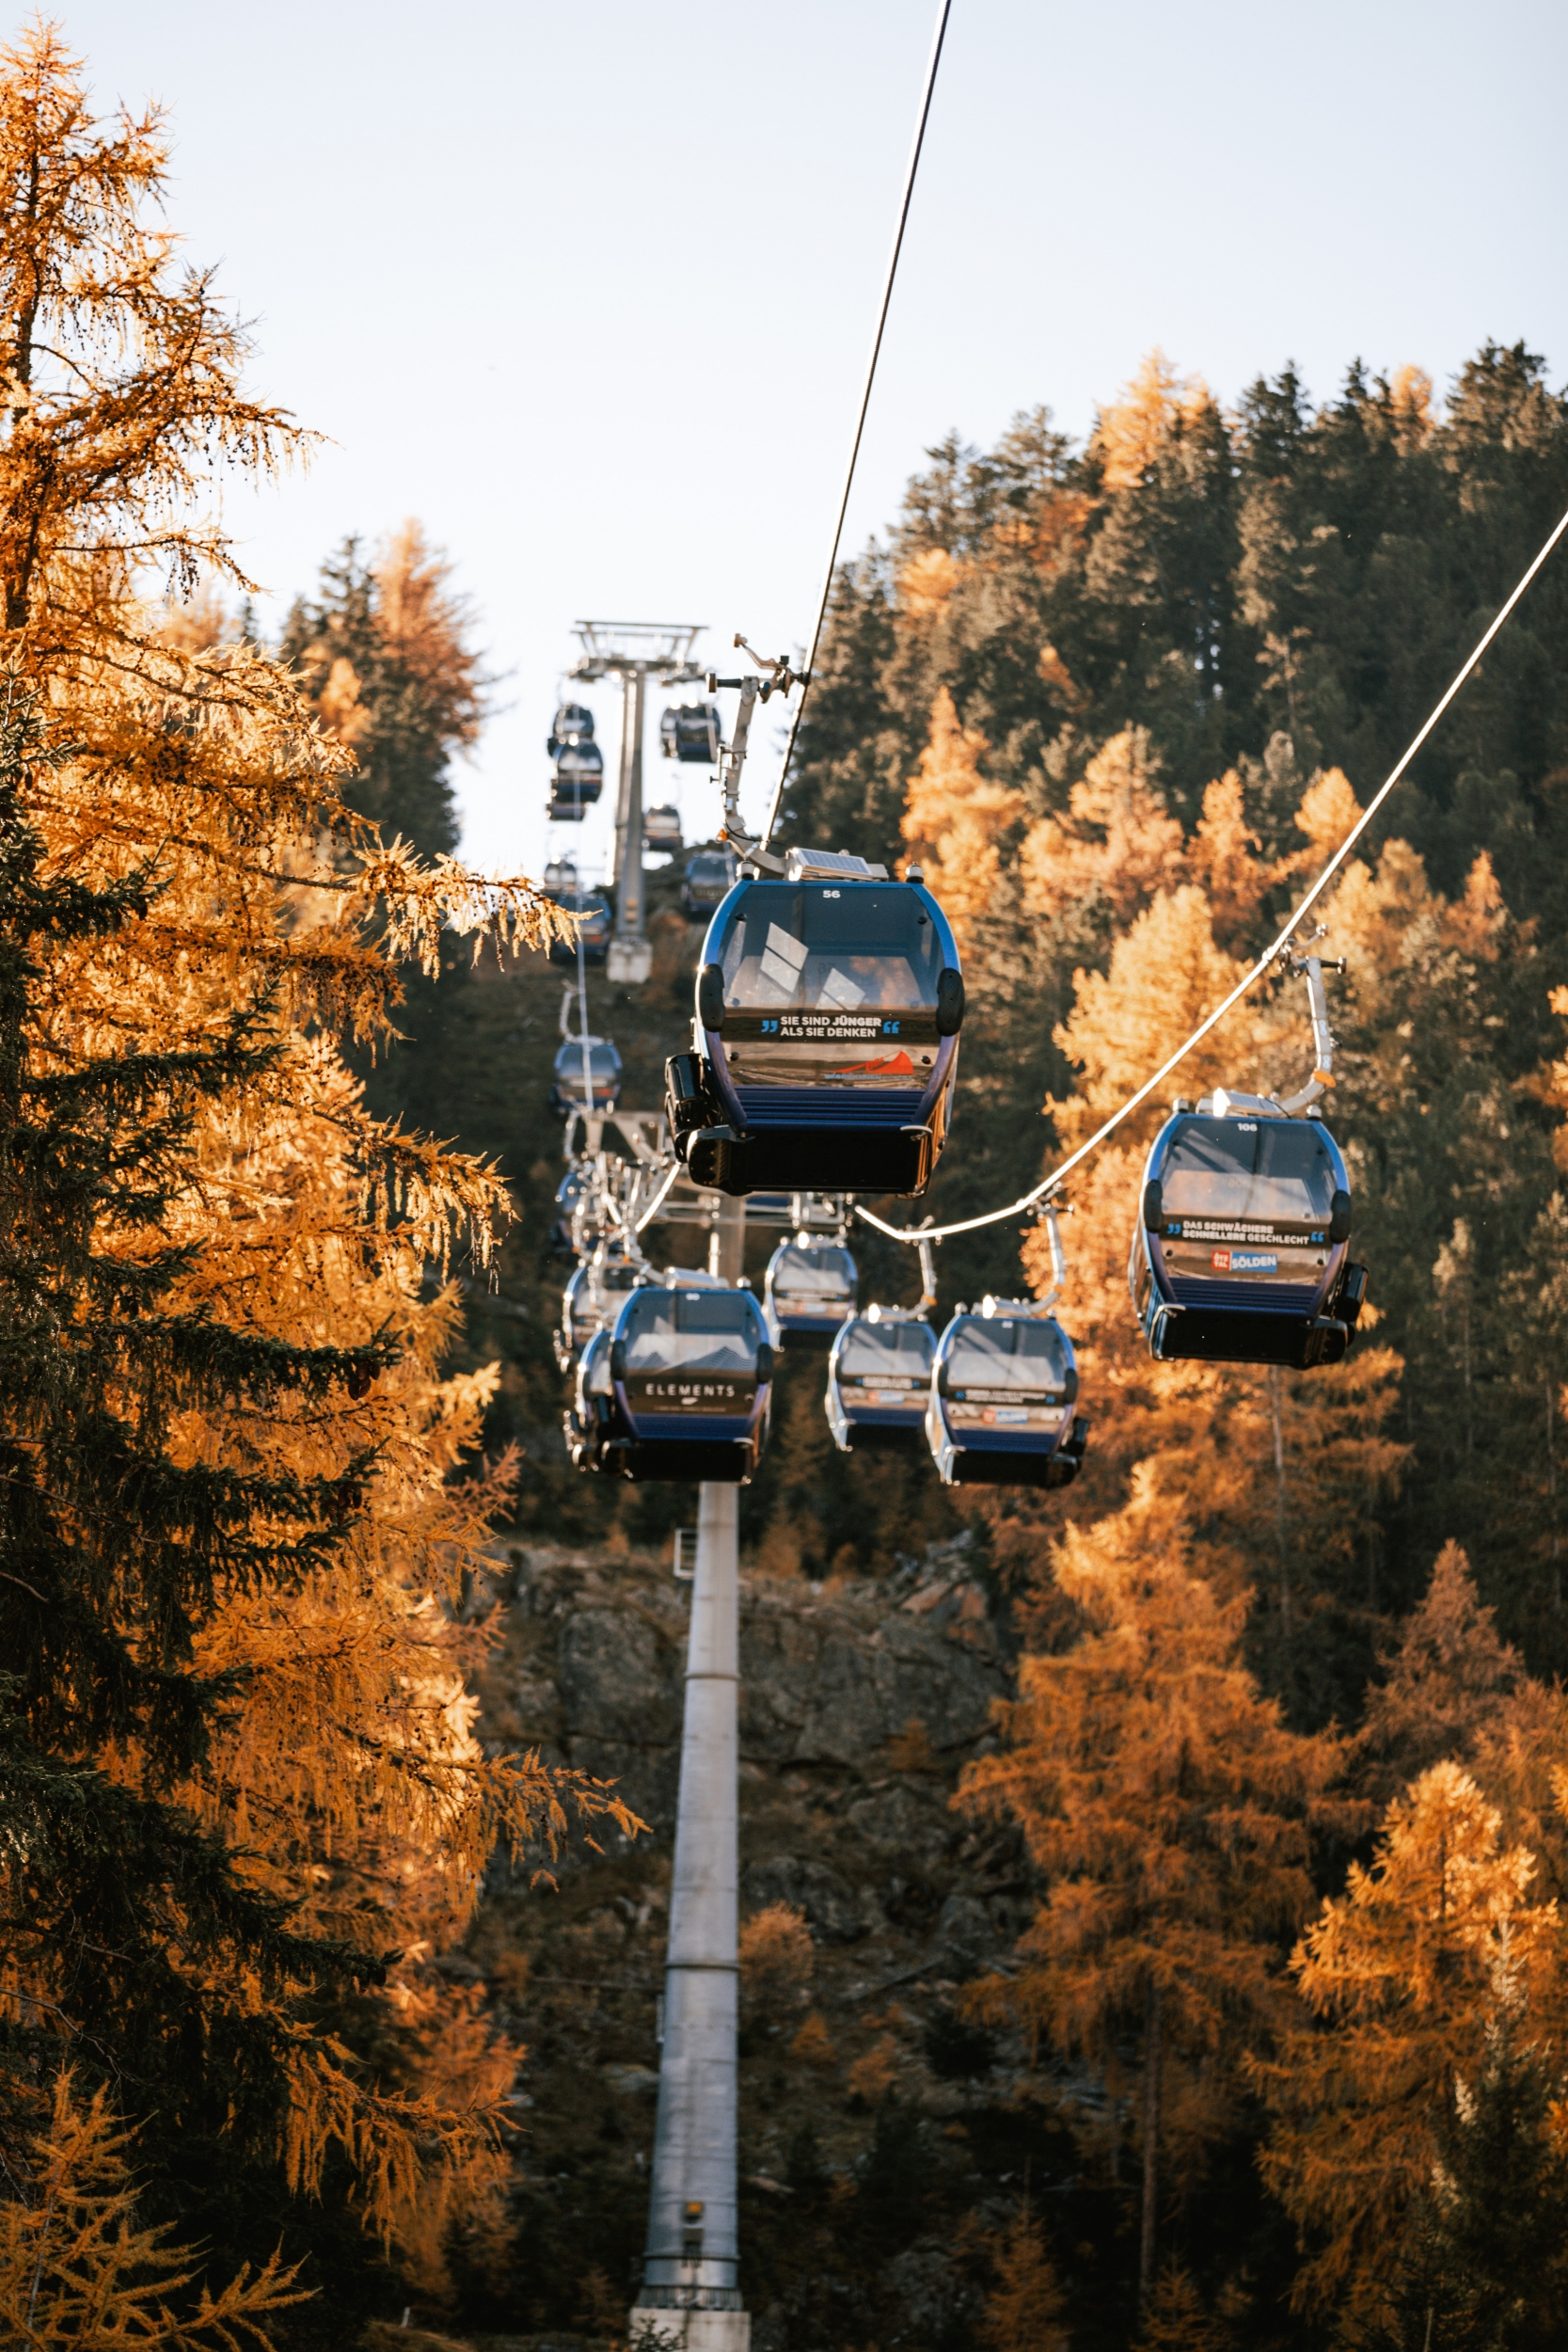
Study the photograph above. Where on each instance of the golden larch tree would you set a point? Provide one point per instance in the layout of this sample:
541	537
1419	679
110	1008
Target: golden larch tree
1156	405
1400	1977
235	1534
1171	1813
956	821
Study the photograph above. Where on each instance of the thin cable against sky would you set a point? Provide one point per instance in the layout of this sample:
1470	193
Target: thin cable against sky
916	144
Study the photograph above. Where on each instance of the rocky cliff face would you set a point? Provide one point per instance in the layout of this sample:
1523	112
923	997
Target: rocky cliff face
875	2116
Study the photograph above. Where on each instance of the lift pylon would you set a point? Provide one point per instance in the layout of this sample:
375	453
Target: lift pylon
633	651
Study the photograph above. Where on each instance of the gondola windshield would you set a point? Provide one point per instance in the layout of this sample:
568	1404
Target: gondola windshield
603	1062
887	1351
689	1352
826	1273
831	986
1248	1201
1005	1381
1001	1358
1249	1169
692	1331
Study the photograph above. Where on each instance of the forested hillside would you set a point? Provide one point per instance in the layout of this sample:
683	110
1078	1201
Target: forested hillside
1291	1648
1122	700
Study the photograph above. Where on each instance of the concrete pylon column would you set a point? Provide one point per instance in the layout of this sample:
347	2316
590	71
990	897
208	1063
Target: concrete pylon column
629	958
690	2277
629	919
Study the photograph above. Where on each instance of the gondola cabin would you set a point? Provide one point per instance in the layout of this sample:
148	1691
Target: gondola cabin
569	1194
593	1296
661	828
578	773
589	1421
594	925
691	1370
1003	1388
708	880
1240	1253
690	732
574	724
810	1291
826	1035
601	1091
880	1383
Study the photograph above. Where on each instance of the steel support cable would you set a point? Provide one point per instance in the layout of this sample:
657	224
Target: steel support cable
658	1201
1075	1159
937	38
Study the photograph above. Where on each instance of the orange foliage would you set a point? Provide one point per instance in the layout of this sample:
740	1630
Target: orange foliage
1328	811
1224	856
122	370
814	2044
1023	2310
926	581
1408	1967
1118	846
1165	975
776	1955
343	1772
426	627
956	822
1445	1681
77	2270
1130	433
420	627
1168	1811
873	2072
1410	396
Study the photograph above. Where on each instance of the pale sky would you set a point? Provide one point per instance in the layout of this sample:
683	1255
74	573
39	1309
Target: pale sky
588	286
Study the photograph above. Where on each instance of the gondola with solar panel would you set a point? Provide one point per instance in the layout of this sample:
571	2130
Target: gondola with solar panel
825	1045
1241	1250
828	1008
690	1368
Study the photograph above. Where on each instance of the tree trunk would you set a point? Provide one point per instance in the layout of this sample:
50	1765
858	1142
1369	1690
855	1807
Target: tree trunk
1551	1513
1281	1498
1152	2141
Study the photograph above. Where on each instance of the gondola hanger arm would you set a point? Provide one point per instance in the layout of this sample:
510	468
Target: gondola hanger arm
1051	1212
927	1275
1311	969
777	677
